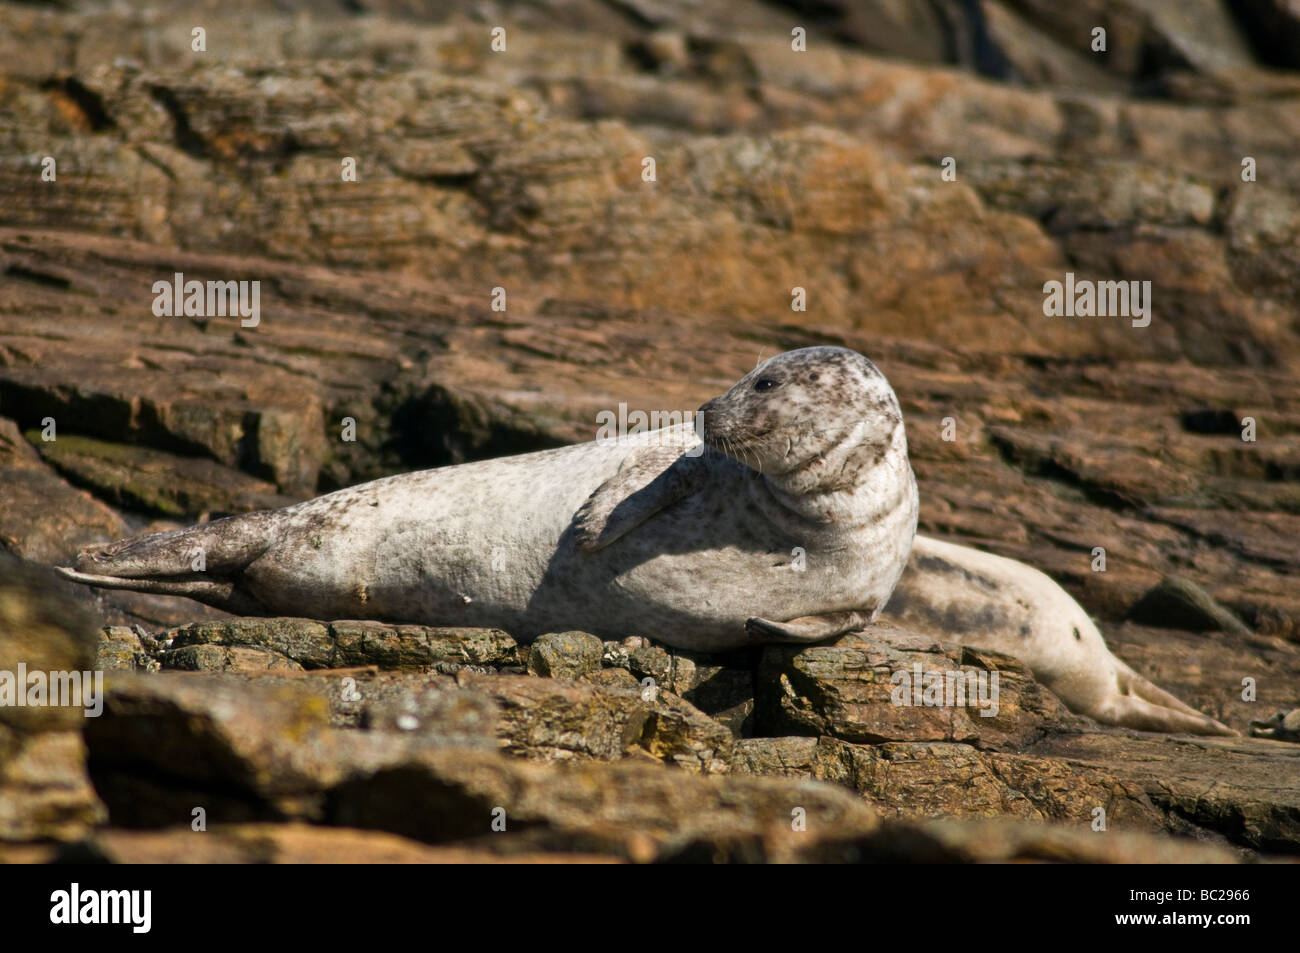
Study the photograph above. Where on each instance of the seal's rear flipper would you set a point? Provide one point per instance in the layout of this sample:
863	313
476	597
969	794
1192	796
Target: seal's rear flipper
222	546
221	594
203	562
1149	707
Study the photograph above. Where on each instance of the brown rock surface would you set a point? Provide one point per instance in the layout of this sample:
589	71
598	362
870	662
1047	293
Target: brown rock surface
45	792
849	689
378	351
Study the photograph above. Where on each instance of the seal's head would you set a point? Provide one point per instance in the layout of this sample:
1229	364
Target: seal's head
821	416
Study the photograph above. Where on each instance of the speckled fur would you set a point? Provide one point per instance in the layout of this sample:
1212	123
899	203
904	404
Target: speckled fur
632	538
969	597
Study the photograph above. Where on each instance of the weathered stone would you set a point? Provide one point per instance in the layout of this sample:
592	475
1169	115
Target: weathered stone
44	789
1179	603
121	648
346	644
223	658
550	720
636	811
427	707
721	686
861	688
44	518
153	481
819	170
308	643
211	731
43	630
1240	790
417	646
565	654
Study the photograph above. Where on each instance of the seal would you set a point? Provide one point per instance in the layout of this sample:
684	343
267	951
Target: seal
794	524
1281	726
959	594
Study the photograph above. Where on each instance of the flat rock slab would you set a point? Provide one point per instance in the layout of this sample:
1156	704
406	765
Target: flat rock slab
861	688
154	481
1246	789
313	644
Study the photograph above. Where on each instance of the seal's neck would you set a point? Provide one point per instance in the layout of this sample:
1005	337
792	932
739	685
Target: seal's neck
853	484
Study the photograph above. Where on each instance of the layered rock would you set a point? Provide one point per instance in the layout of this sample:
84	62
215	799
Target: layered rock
378	349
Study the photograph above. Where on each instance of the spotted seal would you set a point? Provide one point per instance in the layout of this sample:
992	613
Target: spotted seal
793	524
959	594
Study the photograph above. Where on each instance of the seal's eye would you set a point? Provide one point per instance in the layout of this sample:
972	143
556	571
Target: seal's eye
766	384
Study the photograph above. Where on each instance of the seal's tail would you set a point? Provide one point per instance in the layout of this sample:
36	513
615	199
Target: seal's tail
1149	707
203	562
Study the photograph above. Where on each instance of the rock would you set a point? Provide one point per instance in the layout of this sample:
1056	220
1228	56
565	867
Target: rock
45	519
549	720
434	708
42	629
635	811
153	481
45	792
378	351
848	689
994	841
308	643
211	731
907	779
122	648
222	658
565	655
1146	37
722	685
1177	602
1239	791
344	644
287	843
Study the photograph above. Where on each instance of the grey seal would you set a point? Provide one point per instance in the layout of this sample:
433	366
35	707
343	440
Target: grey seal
794	524
963	595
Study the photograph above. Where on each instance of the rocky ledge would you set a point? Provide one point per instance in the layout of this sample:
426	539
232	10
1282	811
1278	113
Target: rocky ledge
298	740
380	347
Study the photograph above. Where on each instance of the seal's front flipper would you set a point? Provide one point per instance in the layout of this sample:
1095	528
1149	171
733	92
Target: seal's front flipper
649	481
809	628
